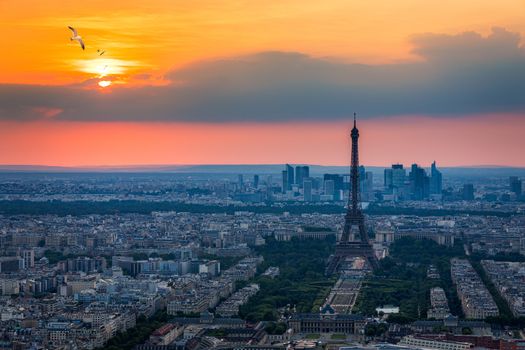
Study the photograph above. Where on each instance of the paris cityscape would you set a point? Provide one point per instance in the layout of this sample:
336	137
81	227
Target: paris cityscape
296	260
277	175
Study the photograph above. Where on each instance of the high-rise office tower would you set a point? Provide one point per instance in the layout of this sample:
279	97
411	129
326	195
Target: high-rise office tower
395	177
366	183
436	180
240	181
388	179
301	172
307	190
338	184
346	182
468	192
419	183
398	175
515	185
284	181
288	178
329	187
368	186
290	174
255	181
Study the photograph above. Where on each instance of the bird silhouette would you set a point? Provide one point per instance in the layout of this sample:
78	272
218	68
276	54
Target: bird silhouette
76	37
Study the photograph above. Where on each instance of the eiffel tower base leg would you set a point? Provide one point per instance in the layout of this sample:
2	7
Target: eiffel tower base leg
346	250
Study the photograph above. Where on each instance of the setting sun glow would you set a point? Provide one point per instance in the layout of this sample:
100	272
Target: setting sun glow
104	83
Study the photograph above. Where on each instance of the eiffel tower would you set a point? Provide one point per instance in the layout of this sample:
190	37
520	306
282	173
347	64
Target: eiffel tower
359	246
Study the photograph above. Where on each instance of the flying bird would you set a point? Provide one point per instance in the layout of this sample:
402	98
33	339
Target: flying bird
76	37
101	52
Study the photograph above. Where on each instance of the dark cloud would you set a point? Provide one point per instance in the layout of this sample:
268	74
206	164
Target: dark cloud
458	74
469	47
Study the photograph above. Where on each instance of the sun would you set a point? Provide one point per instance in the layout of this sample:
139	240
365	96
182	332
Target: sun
104	83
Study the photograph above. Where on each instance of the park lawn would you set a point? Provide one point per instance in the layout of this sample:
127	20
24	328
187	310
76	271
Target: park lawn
401	279
313	336
338	336
301	283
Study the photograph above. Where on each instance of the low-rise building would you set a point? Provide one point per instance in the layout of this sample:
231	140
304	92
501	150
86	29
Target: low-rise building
428	343
166	334
476	301
327	321
439	304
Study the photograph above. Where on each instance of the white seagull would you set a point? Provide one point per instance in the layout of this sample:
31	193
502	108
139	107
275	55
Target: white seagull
76	37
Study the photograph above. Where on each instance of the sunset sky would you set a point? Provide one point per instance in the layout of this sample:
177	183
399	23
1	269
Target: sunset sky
252	82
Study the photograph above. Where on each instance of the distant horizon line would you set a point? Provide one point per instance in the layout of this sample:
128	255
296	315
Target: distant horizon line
174	166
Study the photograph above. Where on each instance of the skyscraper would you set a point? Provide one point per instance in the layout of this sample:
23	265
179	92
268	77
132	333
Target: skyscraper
368	186
388	179
399	175
515	185
301	172
419	183
240	180
290	174
307	190
468	192
436	180
395	177
338	184
284	185
329	188
366	183
255	181
288	178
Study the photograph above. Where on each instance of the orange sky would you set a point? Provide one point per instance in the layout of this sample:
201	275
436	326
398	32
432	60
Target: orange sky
149	38
404	140
154	36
